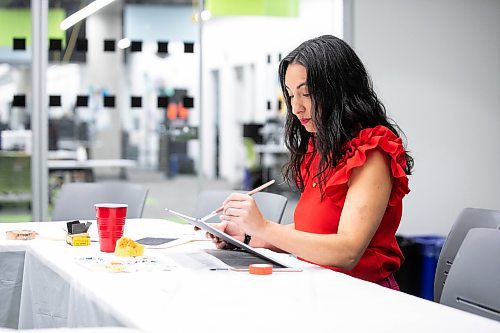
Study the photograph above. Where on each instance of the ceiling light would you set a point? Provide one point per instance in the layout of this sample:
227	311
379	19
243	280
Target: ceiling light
123	43
4	69
83	13
206	15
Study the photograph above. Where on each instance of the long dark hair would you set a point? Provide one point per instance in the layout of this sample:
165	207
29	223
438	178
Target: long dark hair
343	103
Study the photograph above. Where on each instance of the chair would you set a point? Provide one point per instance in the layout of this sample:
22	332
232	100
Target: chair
469	218
76	200
271	205
477	261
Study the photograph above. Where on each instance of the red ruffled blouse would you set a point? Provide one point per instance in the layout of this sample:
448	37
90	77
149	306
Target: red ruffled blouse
383	255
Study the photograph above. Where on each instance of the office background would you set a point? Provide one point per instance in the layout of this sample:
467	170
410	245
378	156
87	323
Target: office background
435	65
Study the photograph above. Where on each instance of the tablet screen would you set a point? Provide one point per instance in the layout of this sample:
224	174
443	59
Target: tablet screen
222	235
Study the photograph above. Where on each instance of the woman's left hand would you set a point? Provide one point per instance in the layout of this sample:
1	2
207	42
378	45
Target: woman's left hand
241	209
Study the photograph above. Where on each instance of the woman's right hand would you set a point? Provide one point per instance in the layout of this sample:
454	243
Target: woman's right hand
230	228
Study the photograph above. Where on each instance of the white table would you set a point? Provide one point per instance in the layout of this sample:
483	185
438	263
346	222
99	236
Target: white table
97	163
56	291
11	279
62	154
88	166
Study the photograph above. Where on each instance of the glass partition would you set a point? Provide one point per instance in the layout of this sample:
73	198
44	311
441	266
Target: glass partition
15	111
124	100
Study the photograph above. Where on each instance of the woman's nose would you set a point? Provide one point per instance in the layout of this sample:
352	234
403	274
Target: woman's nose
297	107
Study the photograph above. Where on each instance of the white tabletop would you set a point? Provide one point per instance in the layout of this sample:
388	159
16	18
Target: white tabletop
89	164
193	299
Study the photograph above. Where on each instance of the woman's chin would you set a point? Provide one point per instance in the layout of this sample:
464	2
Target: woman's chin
310	128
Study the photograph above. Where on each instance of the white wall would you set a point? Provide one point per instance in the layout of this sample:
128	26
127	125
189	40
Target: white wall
63	80
147	73
160	22
105	70
14	80
436	66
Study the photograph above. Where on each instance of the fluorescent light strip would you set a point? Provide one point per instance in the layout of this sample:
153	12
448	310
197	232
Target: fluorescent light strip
83	13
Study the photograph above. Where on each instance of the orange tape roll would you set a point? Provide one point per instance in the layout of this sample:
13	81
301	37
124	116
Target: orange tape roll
260	269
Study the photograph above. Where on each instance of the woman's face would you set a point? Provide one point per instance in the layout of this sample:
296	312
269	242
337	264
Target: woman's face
296	86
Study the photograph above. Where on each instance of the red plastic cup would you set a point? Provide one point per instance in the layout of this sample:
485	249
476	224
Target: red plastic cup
110	224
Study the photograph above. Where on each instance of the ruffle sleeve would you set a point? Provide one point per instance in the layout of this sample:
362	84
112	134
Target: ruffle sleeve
379	137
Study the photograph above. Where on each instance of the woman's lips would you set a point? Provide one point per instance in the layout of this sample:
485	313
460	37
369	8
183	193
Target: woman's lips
304	121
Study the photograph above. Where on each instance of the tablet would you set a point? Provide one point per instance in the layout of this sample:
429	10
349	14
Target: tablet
154	241
229	239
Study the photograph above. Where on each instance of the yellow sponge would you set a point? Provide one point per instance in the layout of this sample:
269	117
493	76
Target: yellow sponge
126	247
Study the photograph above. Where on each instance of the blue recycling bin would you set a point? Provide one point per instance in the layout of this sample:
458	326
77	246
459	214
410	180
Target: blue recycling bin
429	250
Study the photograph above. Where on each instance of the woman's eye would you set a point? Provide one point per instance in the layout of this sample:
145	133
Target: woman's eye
290	96
307	95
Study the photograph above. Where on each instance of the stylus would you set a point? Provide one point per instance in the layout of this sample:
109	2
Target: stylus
221	208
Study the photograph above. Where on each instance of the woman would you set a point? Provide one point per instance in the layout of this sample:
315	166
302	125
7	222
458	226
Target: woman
348	161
